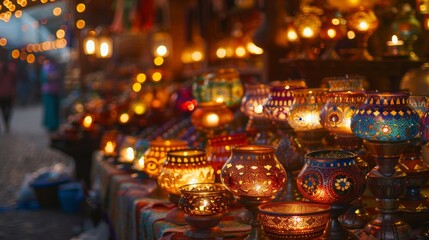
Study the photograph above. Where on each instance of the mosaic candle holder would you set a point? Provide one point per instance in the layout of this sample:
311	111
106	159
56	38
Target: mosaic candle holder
211	118
252	106
289	153
254	176
386	122
336	118
414	207
363	22
280	99
305	116
156	155
204	205
223	85
331	177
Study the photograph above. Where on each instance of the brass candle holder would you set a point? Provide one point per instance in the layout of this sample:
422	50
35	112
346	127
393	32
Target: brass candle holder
254	176
219	150
183	167
204	205
211	118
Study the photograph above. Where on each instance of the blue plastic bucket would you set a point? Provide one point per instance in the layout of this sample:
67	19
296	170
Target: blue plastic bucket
46	190
70	196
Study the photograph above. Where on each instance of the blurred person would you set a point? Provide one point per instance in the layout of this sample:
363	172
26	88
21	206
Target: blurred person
7	88
51	77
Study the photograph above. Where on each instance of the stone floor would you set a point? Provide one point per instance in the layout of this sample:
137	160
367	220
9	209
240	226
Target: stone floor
22	151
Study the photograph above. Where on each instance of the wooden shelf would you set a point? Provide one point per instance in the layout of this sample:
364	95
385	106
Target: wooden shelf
382	75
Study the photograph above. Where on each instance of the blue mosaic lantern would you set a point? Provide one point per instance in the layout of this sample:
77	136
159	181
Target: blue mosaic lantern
386	117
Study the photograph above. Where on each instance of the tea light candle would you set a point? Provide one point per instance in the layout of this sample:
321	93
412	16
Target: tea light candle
203	208
127	154
109	148
140	164
395	46
211	120
87	121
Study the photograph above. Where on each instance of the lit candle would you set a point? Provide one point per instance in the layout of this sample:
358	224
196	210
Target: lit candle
87	121
363	26
204	205
211	120
140	163
395	41
307	32
258	108
219	99
124	118
127	154
109	148
395	46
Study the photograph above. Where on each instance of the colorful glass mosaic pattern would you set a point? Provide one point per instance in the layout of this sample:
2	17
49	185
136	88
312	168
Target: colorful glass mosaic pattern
331	177
386	117
306	108
339	109
280	99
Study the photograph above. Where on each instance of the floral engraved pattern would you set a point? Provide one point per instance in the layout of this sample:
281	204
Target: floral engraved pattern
310	183
342	184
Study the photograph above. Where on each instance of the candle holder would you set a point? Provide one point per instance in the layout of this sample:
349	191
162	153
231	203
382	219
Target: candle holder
183	167
363	22
252	106
126	153
386	122
108	144
225	87
414	207
407	28
424	131
308	26
211	118
204	205
304	117
288	152
155	156
219	150
333	29
254	176
336	117
294	220
331	177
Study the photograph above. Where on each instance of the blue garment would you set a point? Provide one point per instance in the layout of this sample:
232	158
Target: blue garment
51	114
51	82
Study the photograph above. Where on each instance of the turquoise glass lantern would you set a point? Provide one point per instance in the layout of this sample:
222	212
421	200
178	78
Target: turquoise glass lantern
386	117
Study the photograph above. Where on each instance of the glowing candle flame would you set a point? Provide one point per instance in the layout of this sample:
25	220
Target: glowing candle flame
87	121
109	148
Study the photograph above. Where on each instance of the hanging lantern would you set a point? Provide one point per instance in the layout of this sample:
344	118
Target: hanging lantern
161	44
105	44
89	43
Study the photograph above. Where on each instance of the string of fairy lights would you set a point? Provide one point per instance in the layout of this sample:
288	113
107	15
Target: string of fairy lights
57	40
